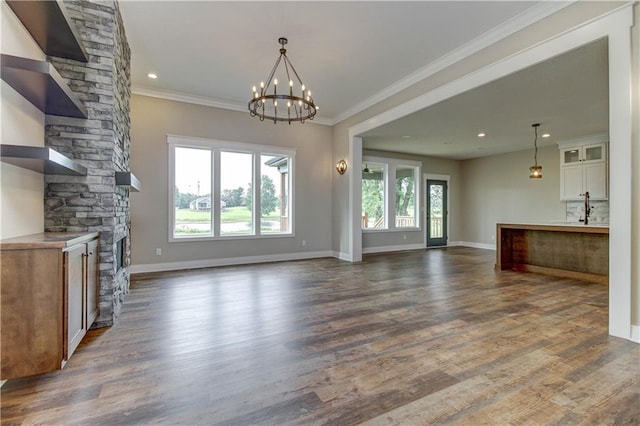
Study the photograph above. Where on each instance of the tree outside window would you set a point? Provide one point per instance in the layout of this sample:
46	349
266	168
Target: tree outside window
390	193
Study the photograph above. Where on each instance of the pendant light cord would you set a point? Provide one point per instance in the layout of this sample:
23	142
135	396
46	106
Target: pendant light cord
535	144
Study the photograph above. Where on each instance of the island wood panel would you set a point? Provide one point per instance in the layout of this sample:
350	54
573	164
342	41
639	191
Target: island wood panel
566	251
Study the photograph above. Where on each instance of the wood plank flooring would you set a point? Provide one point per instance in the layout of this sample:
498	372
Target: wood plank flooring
423	337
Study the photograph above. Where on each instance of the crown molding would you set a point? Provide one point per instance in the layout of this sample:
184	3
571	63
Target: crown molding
206	101
187	98
500	32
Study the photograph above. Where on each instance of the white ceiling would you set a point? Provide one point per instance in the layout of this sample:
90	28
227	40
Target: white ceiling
351	54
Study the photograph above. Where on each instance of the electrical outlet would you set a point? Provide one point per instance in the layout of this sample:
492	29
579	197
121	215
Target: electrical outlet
404	237
158	252
304	243
493	238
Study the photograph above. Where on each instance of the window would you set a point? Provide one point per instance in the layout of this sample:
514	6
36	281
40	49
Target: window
228	190
373	196
274	194
236	189
192	192
406	196
389	193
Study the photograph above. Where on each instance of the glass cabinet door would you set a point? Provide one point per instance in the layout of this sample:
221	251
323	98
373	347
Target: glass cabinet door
593	153
570	156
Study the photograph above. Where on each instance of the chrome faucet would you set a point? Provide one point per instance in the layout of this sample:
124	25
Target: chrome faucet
587	208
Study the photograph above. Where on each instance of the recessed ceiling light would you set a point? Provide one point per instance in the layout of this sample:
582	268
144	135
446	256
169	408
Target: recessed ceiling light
406	137
546	135
152	75
481	135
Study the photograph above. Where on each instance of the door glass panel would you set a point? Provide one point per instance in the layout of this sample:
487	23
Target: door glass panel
436	202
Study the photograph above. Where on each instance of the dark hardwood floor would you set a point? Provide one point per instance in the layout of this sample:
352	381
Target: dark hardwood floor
423	337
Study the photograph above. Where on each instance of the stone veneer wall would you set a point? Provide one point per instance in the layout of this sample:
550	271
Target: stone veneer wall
101	143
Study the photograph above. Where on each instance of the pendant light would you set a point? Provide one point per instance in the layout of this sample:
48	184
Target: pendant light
296	103
535	171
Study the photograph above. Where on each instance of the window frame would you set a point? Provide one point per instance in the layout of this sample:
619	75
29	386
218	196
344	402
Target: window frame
391	164
215	148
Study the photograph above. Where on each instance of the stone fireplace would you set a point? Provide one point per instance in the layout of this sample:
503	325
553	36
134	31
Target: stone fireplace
101	143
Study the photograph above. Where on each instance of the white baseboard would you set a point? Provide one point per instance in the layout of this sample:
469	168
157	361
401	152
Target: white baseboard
635	333
207	263
342	256
473	245
384	249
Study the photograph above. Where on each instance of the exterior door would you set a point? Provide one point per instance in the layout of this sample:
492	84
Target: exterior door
436	213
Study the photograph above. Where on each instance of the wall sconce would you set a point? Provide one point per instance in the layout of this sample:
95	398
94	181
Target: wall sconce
341	166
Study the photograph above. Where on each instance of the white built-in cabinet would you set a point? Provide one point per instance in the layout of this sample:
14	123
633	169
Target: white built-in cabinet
584	168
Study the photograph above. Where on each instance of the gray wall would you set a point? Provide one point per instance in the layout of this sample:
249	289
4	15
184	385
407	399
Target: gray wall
498	189
152	119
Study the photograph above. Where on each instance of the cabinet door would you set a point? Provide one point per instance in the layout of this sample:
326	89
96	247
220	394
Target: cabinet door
570	155
571	182
75	324
595	180
594	152
92	281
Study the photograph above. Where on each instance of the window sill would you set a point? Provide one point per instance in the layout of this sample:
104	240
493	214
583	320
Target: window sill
380	230
229	238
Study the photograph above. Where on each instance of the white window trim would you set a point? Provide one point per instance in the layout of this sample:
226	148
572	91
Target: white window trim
390	165
216	146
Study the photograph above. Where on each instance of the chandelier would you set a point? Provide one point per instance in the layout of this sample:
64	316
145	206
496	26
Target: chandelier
535	171
267	102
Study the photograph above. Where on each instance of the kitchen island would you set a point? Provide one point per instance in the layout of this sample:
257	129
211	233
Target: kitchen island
565	250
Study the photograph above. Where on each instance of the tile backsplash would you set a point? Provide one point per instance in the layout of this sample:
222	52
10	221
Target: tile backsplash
599	211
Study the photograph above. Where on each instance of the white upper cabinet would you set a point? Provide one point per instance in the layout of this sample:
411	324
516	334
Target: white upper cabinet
584	168
596	152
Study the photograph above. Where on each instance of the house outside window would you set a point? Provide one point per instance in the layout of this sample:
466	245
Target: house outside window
223	190
390	194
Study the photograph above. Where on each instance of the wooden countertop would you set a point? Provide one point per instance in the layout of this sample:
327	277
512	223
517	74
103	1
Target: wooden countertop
558	227
47	240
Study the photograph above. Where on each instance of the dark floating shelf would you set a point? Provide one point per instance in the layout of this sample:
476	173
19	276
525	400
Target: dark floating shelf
40	159
40	84
128	179
51	27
